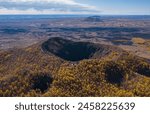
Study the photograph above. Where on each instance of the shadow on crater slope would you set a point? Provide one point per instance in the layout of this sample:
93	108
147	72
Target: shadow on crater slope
75	51
41	82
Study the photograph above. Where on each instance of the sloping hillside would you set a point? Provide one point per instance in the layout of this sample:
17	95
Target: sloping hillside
60	67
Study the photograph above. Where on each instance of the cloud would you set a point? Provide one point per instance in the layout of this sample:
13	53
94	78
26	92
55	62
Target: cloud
51	6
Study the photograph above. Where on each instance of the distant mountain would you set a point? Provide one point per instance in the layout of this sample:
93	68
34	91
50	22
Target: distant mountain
93	19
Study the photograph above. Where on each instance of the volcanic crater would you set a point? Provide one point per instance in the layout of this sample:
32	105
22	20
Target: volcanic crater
75	51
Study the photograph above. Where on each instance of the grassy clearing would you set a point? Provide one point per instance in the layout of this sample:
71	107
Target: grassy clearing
137	40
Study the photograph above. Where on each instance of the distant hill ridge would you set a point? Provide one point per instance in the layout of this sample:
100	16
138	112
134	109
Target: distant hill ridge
93	19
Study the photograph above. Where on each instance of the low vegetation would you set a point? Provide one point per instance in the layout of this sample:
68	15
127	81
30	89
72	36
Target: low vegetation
138	40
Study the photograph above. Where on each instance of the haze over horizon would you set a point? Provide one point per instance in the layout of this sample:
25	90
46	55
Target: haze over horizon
109	7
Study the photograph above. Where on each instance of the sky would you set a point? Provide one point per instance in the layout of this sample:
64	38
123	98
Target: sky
104	7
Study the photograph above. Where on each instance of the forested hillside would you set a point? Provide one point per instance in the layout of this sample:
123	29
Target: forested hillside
60	67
